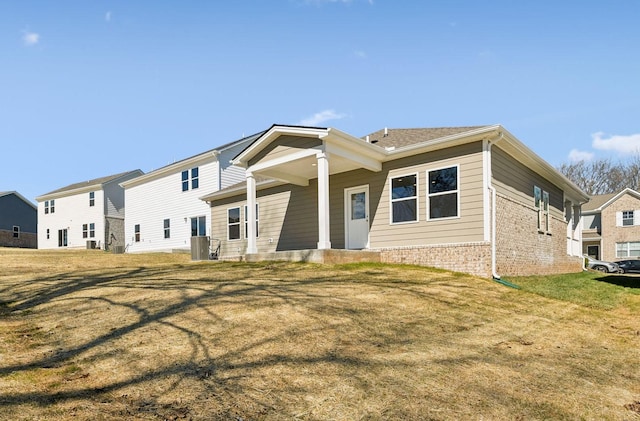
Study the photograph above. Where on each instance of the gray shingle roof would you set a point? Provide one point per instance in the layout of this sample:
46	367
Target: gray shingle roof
95	181
597	201
407	137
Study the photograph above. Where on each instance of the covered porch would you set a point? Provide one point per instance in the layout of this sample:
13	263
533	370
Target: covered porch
297	155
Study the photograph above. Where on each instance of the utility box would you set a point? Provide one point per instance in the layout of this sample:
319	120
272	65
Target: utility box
200	248
91	244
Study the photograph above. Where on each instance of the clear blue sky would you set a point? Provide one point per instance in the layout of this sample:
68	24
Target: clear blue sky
93	88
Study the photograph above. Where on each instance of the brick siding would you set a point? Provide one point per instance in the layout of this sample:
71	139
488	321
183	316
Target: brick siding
521	250
473	258
611	234
26	240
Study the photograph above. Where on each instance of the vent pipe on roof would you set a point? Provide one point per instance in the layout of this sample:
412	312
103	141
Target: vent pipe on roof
367	139
386	132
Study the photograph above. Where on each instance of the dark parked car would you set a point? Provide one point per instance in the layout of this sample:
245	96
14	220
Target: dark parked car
629	266
601	266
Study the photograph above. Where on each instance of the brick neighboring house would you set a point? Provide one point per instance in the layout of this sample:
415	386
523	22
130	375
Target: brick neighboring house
469	199
18	221
611	226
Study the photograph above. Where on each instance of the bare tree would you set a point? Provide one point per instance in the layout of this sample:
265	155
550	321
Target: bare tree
602	176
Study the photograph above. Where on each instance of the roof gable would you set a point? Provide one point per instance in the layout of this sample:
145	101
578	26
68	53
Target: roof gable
19	196
601	201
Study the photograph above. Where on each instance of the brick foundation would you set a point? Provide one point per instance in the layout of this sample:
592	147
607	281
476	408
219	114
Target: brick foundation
473	258
521	250
26	240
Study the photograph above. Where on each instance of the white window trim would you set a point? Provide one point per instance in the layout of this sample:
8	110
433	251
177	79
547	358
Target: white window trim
457	191
239	223
166	229
392	201
16	230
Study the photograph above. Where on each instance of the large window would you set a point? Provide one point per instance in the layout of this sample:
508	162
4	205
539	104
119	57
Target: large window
167	228
443	193
92	198
198	226
246	230
194	179
404	199
629	249
627	218
233	223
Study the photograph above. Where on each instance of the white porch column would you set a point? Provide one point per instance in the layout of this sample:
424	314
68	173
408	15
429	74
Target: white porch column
324	232
251	214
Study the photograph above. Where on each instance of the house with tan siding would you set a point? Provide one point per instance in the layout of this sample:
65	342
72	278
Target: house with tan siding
469	199
611	226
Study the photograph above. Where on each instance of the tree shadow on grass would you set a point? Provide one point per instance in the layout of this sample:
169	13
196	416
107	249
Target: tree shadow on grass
621	280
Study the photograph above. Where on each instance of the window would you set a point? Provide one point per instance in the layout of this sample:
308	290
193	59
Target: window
185	180
404	199
198	226
92	198
136	232
233	223
443	193
545	210
62	238
541	203
195	177
85	230
92	230
627	218
167	228
46	207
245	221
16	231
630	249
52	207
48	234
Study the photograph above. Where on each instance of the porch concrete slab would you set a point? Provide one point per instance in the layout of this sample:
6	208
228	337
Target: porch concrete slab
330	256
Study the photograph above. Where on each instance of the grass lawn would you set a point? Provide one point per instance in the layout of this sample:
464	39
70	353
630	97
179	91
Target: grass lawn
90	335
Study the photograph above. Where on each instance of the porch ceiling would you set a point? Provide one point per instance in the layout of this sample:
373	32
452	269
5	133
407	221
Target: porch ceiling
302	169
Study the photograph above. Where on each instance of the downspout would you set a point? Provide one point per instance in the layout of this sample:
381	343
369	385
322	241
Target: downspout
492	190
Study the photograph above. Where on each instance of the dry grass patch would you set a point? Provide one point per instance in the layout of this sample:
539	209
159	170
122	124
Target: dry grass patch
89	335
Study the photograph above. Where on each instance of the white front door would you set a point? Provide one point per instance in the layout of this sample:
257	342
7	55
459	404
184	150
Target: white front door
356	210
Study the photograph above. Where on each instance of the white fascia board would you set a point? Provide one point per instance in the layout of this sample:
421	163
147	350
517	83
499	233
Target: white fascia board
239	190
364	161
203	158
542	167
273	133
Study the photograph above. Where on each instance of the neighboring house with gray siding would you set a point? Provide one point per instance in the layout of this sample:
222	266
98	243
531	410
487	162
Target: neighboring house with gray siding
164	209
611	226
18	221
469	199
86	214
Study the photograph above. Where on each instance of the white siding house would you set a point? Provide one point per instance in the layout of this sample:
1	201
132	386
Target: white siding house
86	213
164	209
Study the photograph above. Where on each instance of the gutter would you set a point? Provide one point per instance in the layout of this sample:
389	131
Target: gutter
492	189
